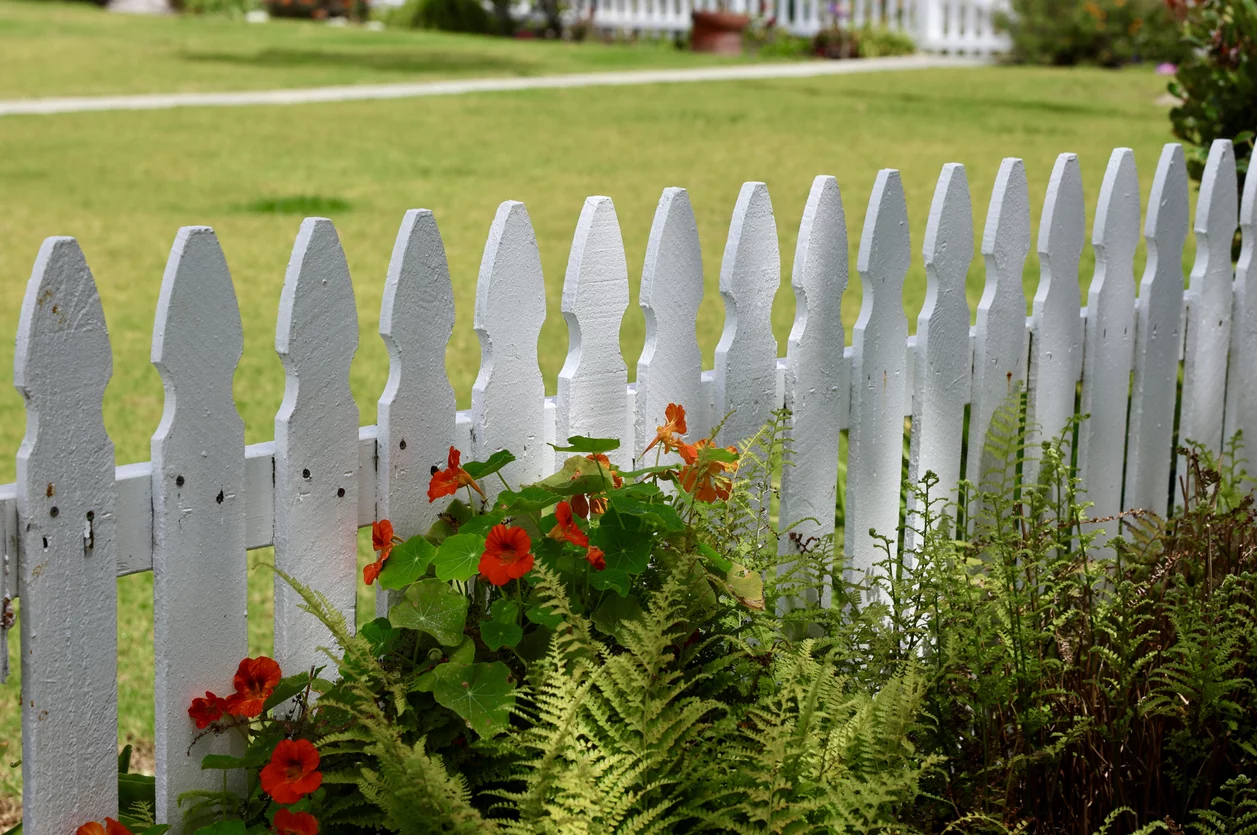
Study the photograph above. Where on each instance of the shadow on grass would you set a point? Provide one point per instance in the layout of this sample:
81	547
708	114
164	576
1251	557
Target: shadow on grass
416	61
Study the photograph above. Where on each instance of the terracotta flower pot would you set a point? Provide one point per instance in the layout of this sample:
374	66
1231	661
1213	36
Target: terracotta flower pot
718	32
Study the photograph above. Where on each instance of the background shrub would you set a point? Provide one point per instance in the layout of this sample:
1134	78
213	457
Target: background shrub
444	15
1105	32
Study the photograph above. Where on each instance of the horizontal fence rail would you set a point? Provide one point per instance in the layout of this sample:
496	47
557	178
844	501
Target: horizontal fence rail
73	521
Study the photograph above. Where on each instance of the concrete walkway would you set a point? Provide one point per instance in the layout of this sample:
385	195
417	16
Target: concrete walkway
162	101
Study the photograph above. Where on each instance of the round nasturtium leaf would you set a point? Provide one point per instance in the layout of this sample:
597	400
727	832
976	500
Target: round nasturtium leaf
407	563
434	607
482	694
458	558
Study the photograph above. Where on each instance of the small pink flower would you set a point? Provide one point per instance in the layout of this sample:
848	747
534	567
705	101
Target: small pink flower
1166	69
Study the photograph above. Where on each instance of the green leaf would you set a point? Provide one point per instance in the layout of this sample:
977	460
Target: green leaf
286	689
464	653
382	636
580	443
614	612
535	644
222	762
585	472
747	586
502	629
480	524
227	827
610	579
155	829
722	564
625	550
657	514
542	616
434	607
480	469
407	563
482	694
124	760
527	500
458	558
136	791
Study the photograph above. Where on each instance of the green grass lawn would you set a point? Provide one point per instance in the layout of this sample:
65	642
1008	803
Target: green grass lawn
124	182
71	49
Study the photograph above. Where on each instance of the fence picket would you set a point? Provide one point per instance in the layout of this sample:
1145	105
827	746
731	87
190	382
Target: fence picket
1158	338
415	413
1208	300
942	357
593	379
815	389
746	356
1110	333
66	503
200	571
506	400
999	345
879	367
671	365
1241	399
316	443
1055	358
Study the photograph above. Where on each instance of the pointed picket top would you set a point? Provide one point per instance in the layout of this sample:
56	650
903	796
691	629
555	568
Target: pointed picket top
671	365
1056	328
816	392
316	443
1241	399
1158	338
878	375
1209	302
999	347
416	412
507	399
200	569
592	384
66	501
1110	337
746	356
943	362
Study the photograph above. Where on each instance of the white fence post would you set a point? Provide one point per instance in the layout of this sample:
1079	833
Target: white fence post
316	444
1110	337
878	371
1241	386
594	377
200	572
66	501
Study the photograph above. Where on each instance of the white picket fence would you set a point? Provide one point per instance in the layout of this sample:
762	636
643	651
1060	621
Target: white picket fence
951	26
73	522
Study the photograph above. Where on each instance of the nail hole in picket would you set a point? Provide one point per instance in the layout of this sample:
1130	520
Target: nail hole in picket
56	511
403	443
179	481
219	498
91	514
340	493
305	473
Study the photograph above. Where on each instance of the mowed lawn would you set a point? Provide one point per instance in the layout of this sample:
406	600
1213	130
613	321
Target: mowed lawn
124	182
75	49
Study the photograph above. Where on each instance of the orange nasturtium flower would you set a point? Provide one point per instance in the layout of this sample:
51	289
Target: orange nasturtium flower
448	481
702	477
582	504
382	540
565	527
667	434
111	827
208	710
256	679
295	823
596	558
292	772
507	555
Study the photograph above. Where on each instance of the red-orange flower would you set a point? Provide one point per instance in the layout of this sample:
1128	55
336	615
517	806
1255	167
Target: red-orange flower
565	527
446	482
596	558
256	679
382	540
295	823
703	477
674	426
292	772
208	710
111	827
506	556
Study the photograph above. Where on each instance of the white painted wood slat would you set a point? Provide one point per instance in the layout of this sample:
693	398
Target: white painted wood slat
942	358
879	369
746	356
1208	300
670	367
1158	339
1110	338
65	496
316	444
816	391
1055	358
200	571
1241	387
999	349
416	411
592	382
507	398
8	573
